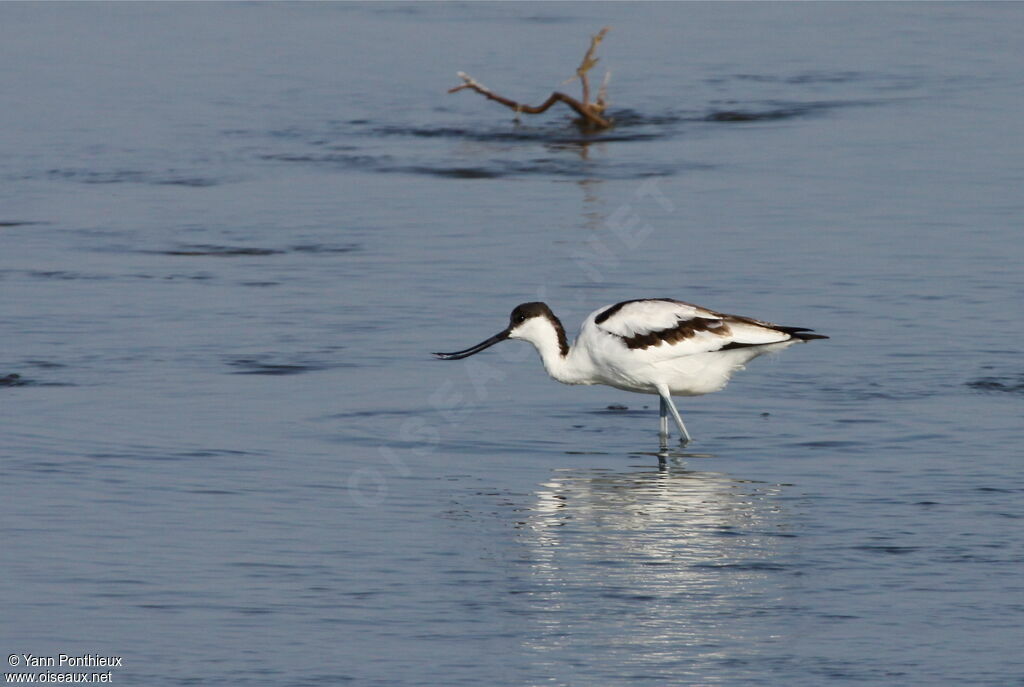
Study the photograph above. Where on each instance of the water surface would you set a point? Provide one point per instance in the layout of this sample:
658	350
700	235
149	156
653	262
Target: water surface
232	233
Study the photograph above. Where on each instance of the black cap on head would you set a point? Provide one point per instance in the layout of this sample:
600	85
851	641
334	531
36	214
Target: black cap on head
525	311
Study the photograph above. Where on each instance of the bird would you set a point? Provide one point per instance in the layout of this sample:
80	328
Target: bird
658	346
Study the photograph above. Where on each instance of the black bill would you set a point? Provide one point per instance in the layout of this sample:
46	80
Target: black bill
457	355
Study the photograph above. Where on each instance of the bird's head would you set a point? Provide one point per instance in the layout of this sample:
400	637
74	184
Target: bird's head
531	322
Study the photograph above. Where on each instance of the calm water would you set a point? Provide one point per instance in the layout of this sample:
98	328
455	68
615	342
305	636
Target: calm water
231	234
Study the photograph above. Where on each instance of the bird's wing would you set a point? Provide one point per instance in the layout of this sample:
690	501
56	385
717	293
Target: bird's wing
677	328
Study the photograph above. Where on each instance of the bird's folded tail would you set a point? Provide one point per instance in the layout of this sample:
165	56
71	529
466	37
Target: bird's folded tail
802	333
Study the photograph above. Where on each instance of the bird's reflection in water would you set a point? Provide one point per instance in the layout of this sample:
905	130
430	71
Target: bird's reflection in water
649	567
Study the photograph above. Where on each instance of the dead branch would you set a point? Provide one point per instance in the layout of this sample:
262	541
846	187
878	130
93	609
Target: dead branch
591	113
589	61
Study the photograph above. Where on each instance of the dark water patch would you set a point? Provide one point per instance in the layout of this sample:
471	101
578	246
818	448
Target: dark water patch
577	143
16	380
290	133
886	549
629	596
616	409
326	678
751	116
548	19
199	276
916	438
526	135
766	114
324	248
1012	384
44	364
824	77
557	140
829	444
444	132
223	251
360	414
749	566
575	168
773	110
193	182
47	467
624	123
128	176
325	487
213	453
163	456
814	77
66	275
212	250
275	364
4	224
333	159
135	455
252	366
499	168
454	172
817	80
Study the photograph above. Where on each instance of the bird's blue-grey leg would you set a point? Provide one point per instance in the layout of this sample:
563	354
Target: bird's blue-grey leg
666	400
663	423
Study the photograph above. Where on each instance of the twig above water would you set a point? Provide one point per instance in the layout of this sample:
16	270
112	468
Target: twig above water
591	113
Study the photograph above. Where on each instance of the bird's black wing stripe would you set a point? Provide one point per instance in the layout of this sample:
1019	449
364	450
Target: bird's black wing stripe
685	329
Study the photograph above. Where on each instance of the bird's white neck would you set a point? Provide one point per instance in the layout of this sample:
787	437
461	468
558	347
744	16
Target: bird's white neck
561	362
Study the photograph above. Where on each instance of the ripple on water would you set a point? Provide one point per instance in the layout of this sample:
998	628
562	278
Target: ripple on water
163	455
566	144
566	147
280	364
760	115
1012	384
540	133
205	249
16	380
132	176
6	224
494	168
225	251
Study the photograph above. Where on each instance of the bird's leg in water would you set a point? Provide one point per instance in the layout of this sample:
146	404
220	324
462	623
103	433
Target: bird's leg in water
666	400
663	424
